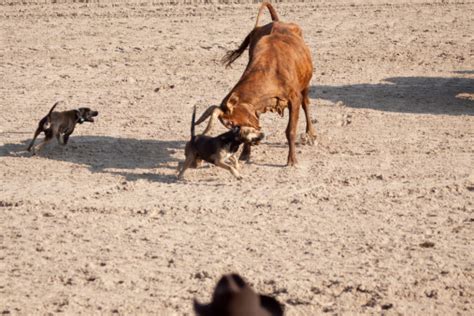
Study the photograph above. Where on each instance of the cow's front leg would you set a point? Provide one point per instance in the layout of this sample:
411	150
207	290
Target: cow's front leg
310	133
245	155
291	131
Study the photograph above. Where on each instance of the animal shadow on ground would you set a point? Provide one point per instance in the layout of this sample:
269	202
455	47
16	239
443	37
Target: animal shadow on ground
101	153
420	95
467	72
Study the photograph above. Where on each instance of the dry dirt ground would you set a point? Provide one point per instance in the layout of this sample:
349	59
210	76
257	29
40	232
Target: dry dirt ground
378	218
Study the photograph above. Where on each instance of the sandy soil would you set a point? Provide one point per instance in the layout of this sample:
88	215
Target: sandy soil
378	218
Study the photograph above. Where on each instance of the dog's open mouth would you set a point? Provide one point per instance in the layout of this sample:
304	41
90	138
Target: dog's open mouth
257	140
90	117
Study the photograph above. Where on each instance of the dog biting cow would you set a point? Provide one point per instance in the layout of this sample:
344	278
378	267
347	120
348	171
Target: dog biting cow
217	150
277	77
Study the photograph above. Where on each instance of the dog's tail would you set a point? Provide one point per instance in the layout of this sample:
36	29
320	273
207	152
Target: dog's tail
47	118
52	109
232	55
42	125
193	136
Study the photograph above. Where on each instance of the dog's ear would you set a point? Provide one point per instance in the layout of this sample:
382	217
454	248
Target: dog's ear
202	309
222	289
235	277
231	103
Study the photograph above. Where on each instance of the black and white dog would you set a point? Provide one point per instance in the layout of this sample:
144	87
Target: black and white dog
217	150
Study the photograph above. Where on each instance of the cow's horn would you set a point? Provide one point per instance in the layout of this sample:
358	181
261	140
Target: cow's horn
214	112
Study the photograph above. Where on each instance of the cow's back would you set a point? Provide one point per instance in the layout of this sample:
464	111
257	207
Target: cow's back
282	44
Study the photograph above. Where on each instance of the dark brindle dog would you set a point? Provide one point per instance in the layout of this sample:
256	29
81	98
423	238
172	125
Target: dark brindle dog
217	149
233	297
60	125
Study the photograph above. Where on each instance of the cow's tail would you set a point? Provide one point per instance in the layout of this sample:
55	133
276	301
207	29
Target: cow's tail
270	8
232	55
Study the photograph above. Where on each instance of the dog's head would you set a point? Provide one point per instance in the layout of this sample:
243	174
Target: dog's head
85	115
233	297
247	134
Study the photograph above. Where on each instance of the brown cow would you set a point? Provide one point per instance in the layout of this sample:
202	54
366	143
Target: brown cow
277	76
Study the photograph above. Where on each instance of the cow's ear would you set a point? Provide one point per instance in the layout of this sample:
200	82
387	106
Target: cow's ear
231	103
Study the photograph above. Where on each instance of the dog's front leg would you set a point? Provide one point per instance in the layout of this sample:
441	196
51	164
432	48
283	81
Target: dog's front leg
64	133
245	155
64	138
232	170
235	161
61	138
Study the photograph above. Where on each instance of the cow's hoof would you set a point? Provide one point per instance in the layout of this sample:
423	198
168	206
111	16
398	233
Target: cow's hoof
292	163
307	139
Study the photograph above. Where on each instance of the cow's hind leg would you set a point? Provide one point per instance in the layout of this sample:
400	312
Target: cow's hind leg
294	108
310	136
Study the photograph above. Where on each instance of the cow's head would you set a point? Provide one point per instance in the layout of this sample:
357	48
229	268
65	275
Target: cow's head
231	113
